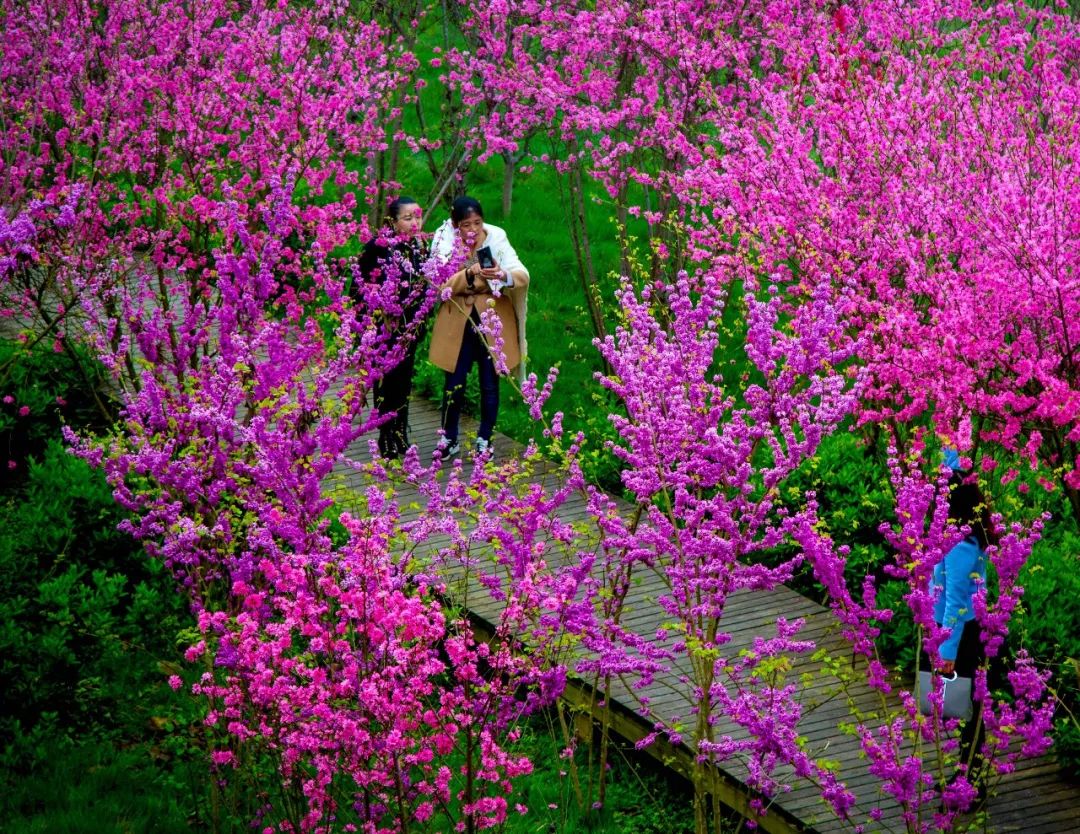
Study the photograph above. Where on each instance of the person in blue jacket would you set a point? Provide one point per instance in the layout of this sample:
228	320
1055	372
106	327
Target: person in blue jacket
956	580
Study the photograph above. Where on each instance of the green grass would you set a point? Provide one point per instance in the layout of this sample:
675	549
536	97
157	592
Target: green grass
99	789
641	797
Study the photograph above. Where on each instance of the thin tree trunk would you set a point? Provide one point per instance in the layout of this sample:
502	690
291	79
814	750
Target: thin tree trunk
580	234
605	736
509	168
622	217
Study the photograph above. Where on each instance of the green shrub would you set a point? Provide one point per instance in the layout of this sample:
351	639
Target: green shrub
1047	624
1048	627
899	638
1067	745
41	389
84	615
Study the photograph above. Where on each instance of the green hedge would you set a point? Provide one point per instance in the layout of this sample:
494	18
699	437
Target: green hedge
84	615
88	626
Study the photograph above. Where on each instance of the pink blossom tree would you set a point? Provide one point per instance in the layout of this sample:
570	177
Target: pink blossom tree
707	458
334	654
157	112
206	150
928	149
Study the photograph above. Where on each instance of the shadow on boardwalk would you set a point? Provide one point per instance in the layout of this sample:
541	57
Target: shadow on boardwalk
1036	799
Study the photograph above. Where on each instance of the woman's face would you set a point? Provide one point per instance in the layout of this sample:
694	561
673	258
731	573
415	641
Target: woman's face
470	228
410	218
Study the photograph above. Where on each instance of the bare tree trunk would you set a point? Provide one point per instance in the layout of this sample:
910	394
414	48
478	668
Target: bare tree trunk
622	217
673	257
579	233
450	179
386	167
510	161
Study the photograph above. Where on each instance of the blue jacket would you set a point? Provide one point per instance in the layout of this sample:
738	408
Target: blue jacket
956	579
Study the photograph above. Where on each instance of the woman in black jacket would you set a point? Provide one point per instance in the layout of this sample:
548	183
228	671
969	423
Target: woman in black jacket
396	254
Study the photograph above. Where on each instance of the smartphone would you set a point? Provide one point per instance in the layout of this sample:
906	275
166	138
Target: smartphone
485	258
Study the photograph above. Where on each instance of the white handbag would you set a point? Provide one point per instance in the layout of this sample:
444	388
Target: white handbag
955	695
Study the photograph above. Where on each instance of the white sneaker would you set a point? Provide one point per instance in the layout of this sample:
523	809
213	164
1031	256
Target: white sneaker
483	447
446	448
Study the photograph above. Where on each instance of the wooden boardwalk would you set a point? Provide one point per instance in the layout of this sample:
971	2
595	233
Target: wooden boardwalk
1036	799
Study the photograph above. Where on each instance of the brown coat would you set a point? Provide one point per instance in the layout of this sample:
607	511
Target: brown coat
452	316
450	321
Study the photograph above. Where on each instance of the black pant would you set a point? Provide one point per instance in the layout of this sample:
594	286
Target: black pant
970	655
391	396
474	350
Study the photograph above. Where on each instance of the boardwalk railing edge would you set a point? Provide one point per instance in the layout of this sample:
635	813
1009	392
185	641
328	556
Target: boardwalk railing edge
632	727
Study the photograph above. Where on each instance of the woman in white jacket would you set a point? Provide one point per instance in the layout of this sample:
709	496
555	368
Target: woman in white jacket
457	342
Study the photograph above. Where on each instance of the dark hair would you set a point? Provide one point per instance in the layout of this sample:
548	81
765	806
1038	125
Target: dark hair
462	207
967	505
394	209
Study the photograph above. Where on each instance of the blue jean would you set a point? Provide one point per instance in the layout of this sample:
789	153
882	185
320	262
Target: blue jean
473	350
